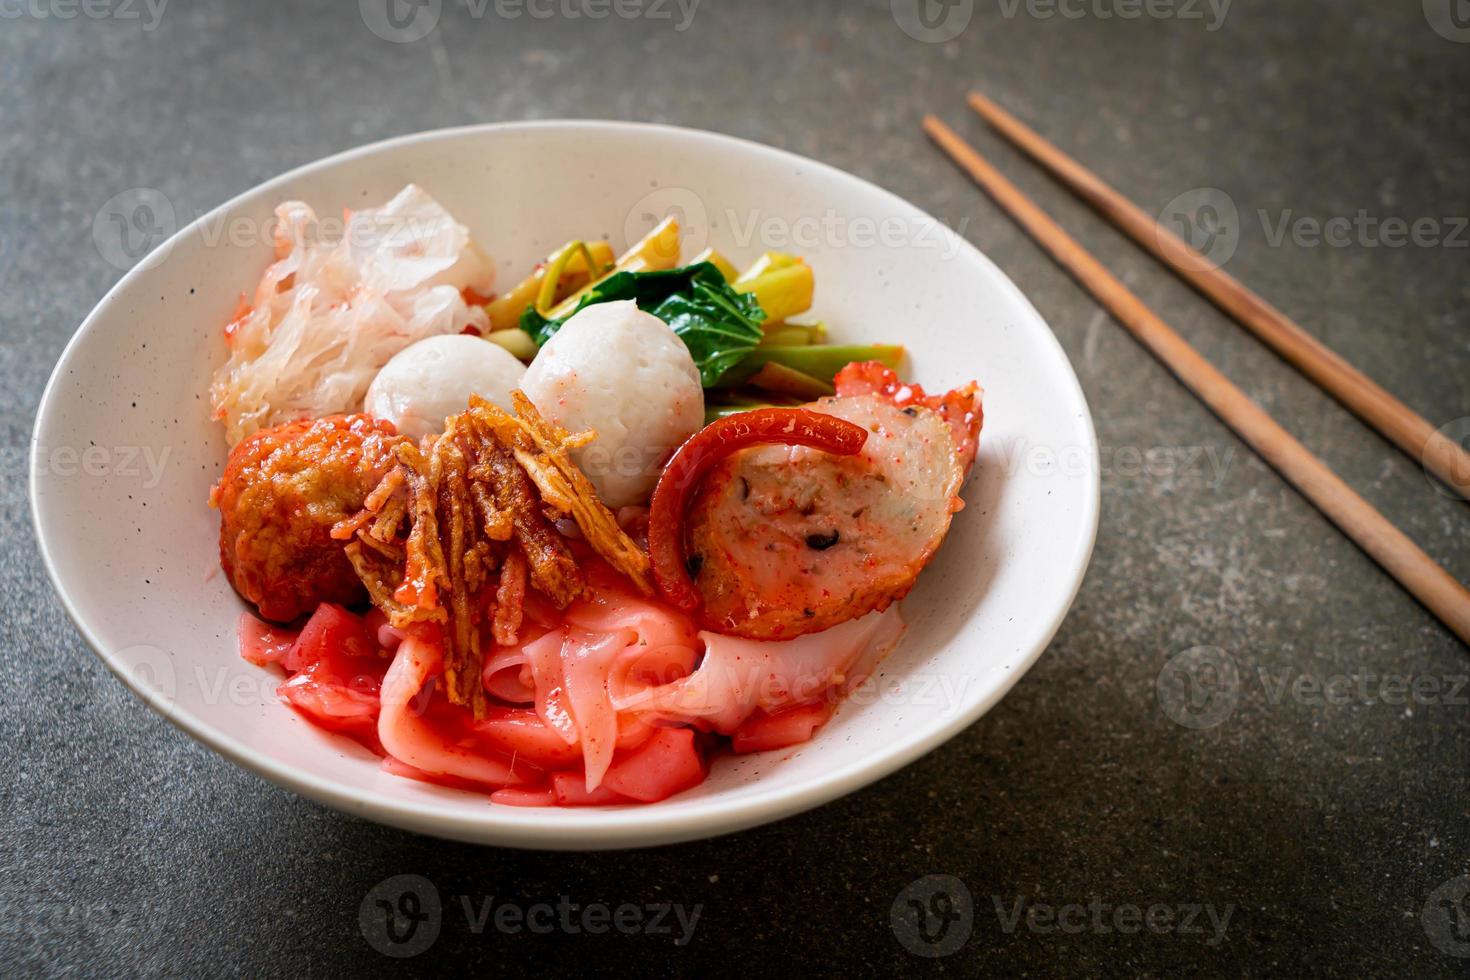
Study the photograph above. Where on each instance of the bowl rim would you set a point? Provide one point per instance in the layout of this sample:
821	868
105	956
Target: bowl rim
590	828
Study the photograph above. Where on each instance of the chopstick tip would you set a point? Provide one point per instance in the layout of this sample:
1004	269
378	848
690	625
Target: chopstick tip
983	105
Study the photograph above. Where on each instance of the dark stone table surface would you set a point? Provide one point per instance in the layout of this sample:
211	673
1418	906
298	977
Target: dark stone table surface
1301	832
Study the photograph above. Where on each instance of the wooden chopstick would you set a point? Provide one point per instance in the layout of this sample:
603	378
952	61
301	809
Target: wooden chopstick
1386	544
1412	433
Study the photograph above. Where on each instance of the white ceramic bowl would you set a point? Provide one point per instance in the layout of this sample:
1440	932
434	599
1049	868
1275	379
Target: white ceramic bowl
124	455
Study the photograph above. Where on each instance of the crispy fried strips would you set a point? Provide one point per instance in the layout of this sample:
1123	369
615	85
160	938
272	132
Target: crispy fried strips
541	448
467	504
553	567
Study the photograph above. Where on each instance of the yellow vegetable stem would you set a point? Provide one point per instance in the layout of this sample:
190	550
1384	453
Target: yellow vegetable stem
546	294
786	335
819	331
783	293
766	263
727	269
515	340
659	249
505	311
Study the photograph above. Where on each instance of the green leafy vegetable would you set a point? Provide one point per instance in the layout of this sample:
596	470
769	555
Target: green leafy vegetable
719	325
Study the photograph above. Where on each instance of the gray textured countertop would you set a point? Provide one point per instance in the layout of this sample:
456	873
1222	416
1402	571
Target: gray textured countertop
1302	832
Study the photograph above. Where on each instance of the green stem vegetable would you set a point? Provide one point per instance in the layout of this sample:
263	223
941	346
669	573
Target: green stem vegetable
819	361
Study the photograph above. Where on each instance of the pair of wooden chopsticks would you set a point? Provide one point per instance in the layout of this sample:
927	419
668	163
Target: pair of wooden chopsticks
1386	544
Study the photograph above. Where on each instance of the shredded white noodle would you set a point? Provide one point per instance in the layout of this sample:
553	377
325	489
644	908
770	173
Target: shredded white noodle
331	311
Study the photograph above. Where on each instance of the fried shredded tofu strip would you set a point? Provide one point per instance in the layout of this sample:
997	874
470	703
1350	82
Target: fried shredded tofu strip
425	573
382	578
554	568
541	448
510	599
462	656
458	530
